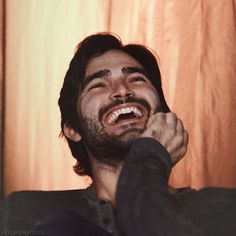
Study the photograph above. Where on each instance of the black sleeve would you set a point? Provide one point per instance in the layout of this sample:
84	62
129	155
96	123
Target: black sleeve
143	203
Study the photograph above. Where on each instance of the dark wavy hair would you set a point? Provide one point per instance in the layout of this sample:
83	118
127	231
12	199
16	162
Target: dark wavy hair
90	47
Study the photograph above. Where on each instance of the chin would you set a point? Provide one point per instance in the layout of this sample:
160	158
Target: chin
130	135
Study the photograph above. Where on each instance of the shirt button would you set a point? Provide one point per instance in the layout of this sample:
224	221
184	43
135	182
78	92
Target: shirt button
102	202
105	221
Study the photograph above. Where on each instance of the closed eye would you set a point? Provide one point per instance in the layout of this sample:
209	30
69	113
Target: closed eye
138	79
97	85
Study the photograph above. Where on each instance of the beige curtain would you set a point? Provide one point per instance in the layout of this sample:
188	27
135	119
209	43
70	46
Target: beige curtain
2	75
195	45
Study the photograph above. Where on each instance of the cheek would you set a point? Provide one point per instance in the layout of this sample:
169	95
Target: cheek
88	106
155	100
152	97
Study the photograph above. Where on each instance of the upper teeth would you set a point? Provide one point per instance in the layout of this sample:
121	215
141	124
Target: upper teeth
115	114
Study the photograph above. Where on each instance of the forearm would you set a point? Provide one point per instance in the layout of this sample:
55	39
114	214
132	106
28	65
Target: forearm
144	205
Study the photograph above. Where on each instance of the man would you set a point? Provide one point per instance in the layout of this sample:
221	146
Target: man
122	133
118	99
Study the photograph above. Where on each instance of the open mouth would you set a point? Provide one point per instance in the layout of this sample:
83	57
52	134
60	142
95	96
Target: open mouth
124	112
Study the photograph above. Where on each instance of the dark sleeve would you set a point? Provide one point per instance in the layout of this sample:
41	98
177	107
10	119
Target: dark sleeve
143	203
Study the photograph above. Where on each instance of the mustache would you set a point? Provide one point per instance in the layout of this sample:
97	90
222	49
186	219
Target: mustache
117	102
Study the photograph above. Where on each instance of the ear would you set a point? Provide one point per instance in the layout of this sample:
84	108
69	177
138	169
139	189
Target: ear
71	134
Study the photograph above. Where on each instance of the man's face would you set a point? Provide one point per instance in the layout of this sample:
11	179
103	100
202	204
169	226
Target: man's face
117	100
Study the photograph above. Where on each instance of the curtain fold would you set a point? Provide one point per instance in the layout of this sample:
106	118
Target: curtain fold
195	45
209	58
41	39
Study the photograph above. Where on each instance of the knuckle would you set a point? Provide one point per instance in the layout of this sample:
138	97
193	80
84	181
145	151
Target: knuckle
171	118
179	138
172	115
186	136
184	148
171	132
160	115
180	123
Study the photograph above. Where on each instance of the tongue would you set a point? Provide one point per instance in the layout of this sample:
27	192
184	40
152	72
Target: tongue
125	117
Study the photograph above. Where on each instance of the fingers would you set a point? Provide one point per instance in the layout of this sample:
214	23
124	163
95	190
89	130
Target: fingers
168	129
171	118
179	126
178	149
185	137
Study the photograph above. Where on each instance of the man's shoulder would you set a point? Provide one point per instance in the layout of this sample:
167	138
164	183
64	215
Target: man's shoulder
214	201
45	198
20	210
43	195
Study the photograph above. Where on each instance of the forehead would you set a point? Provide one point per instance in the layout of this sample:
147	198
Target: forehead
110	59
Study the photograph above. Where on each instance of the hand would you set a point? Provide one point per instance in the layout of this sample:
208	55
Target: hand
169	131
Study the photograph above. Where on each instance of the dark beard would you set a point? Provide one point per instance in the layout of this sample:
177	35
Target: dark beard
108	149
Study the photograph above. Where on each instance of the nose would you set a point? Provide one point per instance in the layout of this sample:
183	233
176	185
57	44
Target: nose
121	91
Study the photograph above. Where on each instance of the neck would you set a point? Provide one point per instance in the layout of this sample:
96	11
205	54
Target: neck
105	180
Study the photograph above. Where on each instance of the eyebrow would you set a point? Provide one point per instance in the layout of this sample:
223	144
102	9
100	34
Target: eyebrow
105	72
131	70
96	75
